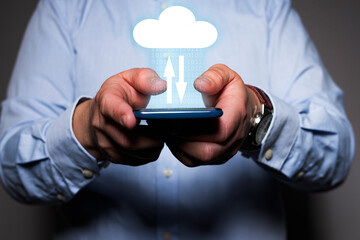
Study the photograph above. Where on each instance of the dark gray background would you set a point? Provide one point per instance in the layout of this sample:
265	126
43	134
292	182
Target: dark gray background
334	27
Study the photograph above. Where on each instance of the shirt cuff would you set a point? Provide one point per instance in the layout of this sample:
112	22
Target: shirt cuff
281	135
77	166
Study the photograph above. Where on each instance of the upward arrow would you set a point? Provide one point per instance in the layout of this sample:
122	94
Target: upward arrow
169	74
181	85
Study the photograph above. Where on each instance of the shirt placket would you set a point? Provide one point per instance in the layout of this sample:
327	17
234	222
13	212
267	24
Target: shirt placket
167	196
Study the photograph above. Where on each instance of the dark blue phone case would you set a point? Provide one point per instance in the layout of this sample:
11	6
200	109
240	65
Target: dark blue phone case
177	113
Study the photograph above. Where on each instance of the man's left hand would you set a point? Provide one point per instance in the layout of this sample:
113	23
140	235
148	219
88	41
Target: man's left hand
213	141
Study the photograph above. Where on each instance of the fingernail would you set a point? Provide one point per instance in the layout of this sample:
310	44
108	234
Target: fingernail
202	82
158	85
123	121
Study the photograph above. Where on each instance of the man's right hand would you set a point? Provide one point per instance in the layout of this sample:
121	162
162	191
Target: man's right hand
106	126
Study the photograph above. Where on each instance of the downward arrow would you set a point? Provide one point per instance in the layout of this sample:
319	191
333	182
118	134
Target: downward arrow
169	74
181	85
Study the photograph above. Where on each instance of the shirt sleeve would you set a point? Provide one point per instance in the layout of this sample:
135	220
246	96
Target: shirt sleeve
40	158
310	143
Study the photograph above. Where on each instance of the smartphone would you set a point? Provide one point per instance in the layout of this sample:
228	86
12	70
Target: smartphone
177	113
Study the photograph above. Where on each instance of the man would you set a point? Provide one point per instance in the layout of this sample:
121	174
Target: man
62	122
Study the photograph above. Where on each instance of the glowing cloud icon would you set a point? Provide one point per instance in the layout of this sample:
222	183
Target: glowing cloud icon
176	28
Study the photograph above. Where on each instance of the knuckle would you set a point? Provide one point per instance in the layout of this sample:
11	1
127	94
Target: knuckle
96	120
221	68
102	99
219	65
224	134
125	143
214	74
143	73
95	123
208	153
98	96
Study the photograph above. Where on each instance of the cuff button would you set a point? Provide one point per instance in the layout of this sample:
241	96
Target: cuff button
300	174
60	197
87	173
269	154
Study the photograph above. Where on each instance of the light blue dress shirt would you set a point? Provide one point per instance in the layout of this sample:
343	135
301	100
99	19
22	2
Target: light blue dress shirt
71	47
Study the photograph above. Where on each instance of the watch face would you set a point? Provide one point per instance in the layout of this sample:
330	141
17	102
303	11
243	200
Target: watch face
262	128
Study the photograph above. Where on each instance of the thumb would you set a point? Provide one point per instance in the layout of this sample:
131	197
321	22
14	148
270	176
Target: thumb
213	81
144	80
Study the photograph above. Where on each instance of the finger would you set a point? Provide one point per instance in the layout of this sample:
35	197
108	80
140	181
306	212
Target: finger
120	155
125	91
141	137
134	158
222	87
144	80
204	154
112	106
141	156
214	79
193	160
184	158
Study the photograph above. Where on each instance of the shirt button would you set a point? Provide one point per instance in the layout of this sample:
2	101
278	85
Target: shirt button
168	172
166	236
269	154
60	197
87	173
300	174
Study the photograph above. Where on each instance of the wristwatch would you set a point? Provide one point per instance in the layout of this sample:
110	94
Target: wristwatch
260	122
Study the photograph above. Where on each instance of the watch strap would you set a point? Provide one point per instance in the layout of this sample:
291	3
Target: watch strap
249	143
263	98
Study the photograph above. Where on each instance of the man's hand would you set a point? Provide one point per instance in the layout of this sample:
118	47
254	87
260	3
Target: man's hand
106	126
214	141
